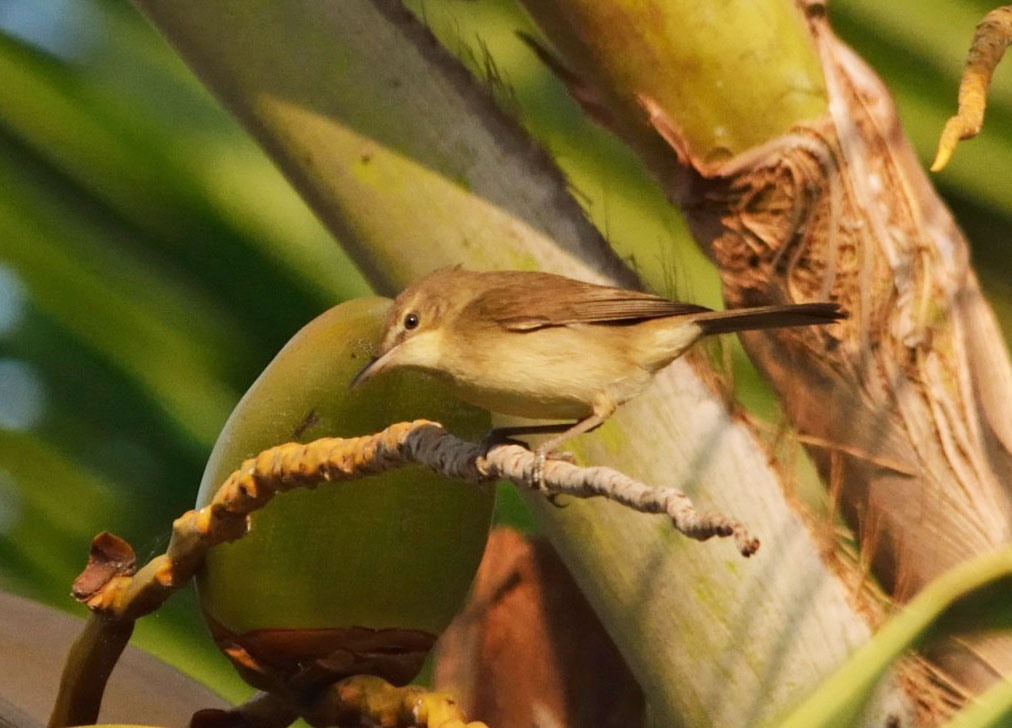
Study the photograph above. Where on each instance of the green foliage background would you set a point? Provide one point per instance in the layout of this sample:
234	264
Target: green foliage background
152	260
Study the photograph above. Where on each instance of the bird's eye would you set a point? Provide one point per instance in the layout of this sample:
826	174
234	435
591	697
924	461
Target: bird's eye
411	321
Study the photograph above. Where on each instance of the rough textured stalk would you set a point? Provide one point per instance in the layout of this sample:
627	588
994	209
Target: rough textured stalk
910	403
410	164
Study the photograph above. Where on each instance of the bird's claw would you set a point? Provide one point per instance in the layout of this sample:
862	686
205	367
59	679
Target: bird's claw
538	471
481	463
495	437
553	498
492	440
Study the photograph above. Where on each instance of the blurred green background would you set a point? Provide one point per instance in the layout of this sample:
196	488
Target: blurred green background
152	260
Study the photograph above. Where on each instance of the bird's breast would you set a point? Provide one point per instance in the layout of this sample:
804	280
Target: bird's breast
550	373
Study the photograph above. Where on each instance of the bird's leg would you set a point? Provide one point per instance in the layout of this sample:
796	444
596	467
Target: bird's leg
543	450
508	435
563	431
498	435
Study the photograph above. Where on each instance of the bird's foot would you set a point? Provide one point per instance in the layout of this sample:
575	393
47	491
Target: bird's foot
494	438
538	471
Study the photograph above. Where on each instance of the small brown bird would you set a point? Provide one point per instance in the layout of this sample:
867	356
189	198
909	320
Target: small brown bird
544	346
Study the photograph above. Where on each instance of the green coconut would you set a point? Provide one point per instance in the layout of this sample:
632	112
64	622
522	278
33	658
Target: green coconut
352	569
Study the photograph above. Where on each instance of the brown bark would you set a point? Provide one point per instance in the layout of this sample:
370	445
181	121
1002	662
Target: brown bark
906	407
527	650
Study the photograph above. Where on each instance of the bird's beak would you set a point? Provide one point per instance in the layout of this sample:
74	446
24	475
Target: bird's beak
373	367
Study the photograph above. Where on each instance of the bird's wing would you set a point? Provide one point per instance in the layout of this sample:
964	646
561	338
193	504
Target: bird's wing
544	300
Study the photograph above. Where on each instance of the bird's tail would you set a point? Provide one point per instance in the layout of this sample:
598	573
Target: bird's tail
769	317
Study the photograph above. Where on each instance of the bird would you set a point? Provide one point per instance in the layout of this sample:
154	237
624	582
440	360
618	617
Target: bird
546	347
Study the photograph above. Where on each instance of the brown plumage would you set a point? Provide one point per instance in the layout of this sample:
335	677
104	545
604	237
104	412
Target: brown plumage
544	346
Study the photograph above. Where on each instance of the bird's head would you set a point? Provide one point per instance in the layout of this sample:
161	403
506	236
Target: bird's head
413	331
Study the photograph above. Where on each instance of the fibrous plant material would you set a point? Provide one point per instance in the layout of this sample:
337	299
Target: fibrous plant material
910	404
905	408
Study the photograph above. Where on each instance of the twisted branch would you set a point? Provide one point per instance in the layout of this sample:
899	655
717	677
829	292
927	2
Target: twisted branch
427	443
